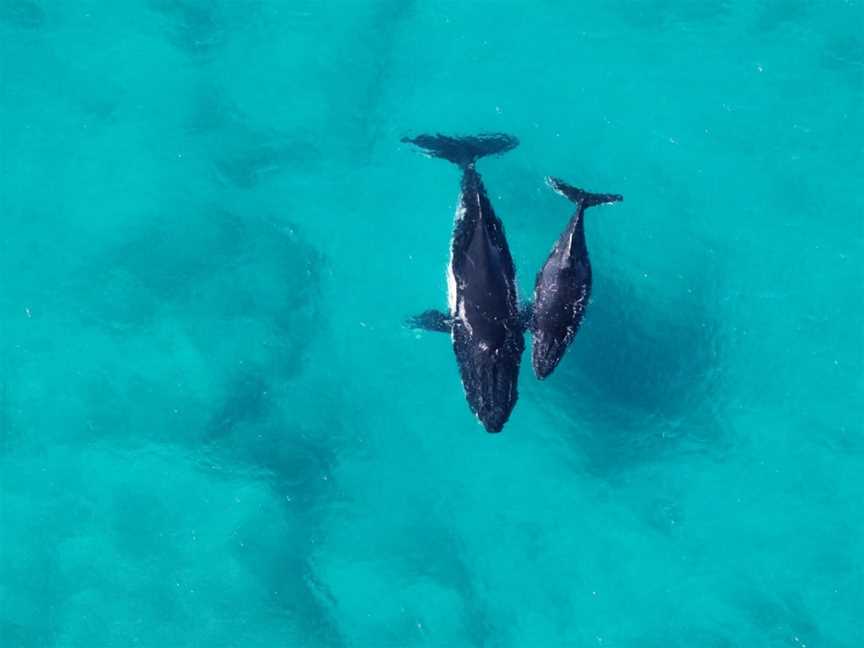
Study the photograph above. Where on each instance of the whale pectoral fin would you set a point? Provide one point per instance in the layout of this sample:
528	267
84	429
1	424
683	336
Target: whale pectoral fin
526	315
431	320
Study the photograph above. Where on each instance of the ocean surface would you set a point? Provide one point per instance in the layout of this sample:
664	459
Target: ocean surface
216	431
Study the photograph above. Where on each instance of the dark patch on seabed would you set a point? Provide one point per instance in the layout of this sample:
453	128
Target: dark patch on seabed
774	14
370	74
844	54
242	154
236	297
654	14
297	459
691	637
205	267
644	373
244	292
248	401
298	464
782	617
436	551
283	565
22	13
200	27
251	436
250	157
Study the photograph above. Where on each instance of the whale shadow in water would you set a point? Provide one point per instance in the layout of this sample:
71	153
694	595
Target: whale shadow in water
640	379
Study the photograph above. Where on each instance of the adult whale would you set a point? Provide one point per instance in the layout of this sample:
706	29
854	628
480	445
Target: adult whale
483	319
563	285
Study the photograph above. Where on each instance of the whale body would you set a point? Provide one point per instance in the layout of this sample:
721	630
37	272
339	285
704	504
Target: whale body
483	318
563	285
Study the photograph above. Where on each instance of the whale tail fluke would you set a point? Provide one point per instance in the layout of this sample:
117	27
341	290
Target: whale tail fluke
463	151
580	196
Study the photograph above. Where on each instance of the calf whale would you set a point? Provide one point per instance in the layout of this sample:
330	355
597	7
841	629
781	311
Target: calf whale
563	285
483	319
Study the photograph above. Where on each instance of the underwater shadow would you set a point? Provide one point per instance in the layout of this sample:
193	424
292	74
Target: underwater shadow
199	319
779	616
22	14
660	14
239	294
251	430
252	433
843	53
370	76
199	27
641	378
433	550
208	268
244	155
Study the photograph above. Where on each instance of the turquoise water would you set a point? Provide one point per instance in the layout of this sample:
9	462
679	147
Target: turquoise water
215	431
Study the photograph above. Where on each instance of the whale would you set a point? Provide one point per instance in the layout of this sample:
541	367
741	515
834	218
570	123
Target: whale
563	285
483	318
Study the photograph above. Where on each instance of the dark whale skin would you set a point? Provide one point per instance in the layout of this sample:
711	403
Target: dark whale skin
484	322
563	285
